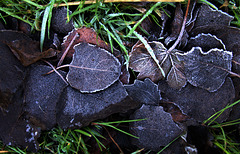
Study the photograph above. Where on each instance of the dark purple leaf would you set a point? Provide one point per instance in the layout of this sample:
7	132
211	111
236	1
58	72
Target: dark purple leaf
93	68
145	92
210	16
157	130
199	103
176	28
176	78
229	35
207	70
79	109
24	48
205	41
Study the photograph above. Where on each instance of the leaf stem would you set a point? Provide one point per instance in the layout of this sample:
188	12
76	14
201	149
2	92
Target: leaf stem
182	30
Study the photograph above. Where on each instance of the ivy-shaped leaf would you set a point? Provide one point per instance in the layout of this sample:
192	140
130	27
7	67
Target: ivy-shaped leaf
141	61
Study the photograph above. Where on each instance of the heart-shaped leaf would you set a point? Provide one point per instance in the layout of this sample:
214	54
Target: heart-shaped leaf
92	68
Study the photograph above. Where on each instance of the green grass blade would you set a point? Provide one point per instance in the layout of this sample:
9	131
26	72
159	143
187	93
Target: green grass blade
83	10
168	144
145	16
113	36
219	113
83	132
228	123
118	122
150	51
95	134
122	131
50	16
44	26
7	11
34	4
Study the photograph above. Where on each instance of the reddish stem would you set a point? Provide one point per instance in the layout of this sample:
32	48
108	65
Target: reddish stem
66	51
182	30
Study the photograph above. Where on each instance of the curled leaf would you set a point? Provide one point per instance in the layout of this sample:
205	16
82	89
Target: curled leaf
206	42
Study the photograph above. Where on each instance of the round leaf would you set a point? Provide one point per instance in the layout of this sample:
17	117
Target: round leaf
92	68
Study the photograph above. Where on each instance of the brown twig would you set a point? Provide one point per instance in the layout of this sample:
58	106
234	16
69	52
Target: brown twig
54	69
182	30
66	51
110	137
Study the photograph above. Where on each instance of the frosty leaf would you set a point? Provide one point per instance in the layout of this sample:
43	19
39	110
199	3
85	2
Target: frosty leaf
24	48
145	92
205	41
229	35
86	35
157	130
141	61
207	70
199	103
94	68
209	16
176	78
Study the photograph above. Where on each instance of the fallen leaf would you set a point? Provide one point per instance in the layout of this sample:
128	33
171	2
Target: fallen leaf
229	35
207	70
205	41
176	28
29	52
24	48
157	130
175	111
141	61
86	35
12	75
125	75
79	109
210	16
155	30
198	103
92	68
176	77
145	92
60	22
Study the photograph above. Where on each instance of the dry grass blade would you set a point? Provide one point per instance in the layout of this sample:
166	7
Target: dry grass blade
113	1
